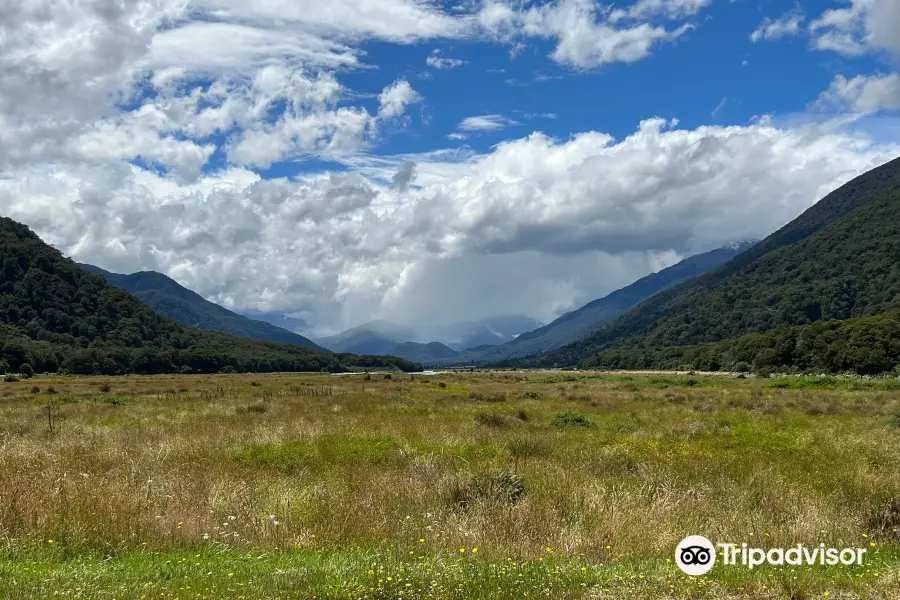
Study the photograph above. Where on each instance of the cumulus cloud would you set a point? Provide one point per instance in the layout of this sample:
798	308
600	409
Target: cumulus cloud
865	26
586	35
774	29
395	98
862	94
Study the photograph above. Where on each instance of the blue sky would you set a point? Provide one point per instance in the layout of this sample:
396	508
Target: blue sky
714	74
429	162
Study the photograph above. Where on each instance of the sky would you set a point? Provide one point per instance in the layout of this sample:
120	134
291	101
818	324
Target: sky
422	161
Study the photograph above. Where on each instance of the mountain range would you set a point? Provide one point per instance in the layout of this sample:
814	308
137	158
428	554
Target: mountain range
582	322
169	298
384	337
820	293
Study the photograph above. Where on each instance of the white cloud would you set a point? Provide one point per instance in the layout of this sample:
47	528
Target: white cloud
395	98
584	38
486	123
862	94
671	9
392	20
456	136
865	26
436	61
774	29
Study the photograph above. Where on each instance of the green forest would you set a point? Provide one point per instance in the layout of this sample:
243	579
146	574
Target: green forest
55	316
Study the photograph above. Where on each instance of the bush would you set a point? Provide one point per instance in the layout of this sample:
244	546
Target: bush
255	384
522	448
227	369
743	367
492	419
531	395
26	371
387	376
499	486
35	390
488	396
10	378
105	387
51	389
572	419
367	377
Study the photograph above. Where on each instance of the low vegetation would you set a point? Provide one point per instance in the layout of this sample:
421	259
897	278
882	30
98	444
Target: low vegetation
494	485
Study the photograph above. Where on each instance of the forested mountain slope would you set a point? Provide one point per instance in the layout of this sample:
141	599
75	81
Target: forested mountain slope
55	315
170	299
838	260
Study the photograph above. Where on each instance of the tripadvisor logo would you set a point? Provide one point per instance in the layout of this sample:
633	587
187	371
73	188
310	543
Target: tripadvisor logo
696	555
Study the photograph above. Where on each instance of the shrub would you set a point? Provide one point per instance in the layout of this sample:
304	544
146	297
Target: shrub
743	367
26	371
35	390
488	396
105	387
227	369
531	395
521	448
499	486
367	377
442	385
522	415
387	376
572	419
492	419
257	409
10	378
255	384
51	389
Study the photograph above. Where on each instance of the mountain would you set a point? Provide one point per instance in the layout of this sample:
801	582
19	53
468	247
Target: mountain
384	337
424	353
580	323
170	299
483	332
278	320
55	315
836	261
375	337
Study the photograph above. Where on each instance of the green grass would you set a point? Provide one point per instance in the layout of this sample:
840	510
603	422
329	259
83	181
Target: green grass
298	485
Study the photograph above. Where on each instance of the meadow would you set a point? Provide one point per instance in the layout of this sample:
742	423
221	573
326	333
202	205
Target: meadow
504	484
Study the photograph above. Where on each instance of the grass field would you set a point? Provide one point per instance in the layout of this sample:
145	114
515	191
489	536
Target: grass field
468	485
